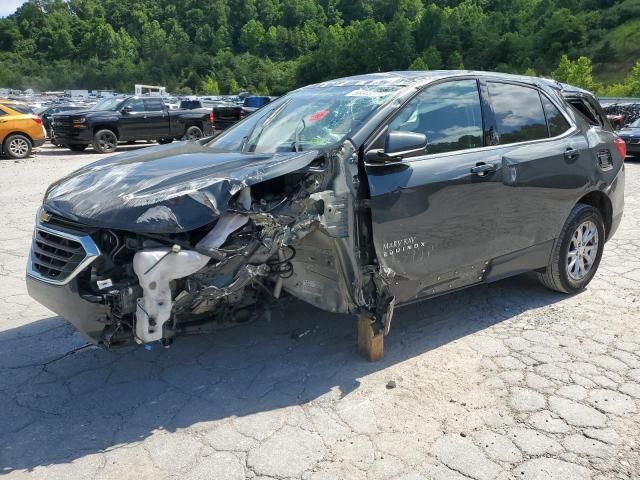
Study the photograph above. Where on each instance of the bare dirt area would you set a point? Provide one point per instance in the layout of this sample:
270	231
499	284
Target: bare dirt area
505	381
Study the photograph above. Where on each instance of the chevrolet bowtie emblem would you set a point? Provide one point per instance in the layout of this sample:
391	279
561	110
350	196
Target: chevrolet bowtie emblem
44	216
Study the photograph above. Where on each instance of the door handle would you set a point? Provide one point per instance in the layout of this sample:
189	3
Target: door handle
482	169
571	153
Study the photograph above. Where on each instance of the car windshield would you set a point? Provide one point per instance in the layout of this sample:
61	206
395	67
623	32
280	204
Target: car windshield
108	104
306	119
635	124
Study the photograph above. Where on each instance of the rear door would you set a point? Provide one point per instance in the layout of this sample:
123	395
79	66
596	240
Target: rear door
540	152
435	216
156	123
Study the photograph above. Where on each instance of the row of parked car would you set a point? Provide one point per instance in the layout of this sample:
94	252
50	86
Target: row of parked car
625	118
113	120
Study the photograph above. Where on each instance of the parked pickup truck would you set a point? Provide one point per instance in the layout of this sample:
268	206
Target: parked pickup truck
128	119
357	195
228	114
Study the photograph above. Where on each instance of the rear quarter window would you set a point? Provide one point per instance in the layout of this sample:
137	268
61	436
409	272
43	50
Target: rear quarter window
589	111
19	108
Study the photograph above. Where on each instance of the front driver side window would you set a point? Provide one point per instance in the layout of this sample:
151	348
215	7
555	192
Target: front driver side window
449	114
136	105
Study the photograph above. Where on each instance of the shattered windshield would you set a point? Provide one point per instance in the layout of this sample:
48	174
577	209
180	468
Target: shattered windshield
108	104
306	119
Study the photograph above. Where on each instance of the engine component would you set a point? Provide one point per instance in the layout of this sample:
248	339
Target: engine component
155	270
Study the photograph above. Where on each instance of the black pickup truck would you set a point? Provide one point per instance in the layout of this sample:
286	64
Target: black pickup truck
128	119
227	114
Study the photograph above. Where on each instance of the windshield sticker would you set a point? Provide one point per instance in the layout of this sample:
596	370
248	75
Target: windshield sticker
319	115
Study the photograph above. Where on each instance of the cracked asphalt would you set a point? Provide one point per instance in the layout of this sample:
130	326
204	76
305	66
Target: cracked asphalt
504	381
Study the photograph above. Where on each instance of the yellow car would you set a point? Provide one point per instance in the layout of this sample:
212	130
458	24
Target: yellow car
20	129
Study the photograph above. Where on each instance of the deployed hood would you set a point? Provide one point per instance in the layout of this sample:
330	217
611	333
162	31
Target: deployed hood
166	189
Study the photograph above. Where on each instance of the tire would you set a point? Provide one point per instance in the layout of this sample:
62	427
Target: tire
77	147
193	133
17	146
563	274
164	141
105	141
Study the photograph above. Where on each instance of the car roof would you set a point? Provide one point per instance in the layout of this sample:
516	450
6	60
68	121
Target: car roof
409	78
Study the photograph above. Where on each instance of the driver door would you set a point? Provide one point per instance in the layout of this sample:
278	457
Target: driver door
435	214
132	120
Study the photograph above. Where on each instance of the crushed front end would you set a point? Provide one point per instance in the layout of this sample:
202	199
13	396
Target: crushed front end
292	232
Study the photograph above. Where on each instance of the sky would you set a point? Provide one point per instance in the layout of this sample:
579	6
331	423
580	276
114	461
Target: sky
7	7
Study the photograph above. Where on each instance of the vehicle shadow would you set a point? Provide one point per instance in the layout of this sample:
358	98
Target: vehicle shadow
59	406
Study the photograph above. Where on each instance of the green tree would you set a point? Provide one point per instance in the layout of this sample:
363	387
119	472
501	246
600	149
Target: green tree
209	86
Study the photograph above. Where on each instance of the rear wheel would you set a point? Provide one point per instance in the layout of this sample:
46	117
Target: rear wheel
105	141
163	141
77	147
17	146
577	252
193	133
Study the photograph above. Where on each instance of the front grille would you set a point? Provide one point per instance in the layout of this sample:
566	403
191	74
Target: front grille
58	255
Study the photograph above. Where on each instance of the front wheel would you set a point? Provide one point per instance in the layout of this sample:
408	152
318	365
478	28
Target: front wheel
105	141
193	133
17	146
577	251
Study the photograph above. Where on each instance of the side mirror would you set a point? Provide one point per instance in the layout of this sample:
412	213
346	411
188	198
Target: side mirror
398	145
127	109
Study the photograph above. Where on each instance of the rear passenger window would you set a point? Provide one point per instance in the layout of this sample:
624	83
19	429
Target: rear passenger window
518	113
555	120
153	105
449	114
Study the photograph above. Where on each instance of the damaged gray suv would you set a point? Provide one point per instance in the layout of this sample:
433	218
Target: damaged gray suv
355	195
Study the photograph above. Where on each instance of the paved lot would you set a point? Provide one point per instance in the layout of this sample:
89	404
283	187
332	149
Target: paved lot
507	381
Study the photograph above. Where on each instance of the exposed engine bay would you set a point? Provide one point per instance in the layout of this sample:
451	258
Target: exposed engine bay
291	234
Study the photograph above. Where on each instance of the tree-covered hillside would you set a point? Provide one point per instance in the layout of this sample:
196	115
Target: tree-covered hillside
271	46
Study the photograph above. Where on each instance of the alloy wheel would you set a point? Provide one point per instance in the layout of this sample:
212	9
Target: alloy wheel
107	142
583	250
19	147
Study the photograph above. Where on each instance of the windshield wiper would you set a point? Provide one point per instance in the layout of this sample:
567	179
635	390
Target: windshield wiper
262	124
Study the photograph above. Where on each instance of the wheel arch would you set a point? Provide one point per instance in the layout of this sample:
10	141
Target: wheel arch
99	127
17	132
600	201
